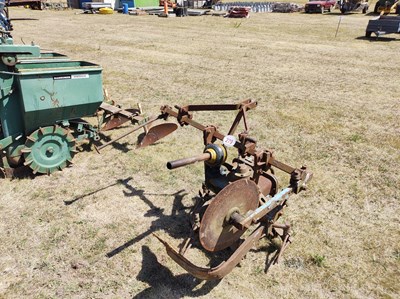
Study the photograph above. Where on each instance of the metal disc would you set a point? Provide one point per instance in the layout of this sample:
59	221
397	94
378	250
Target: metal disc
216	233
118	119
49	149
9	60
156	133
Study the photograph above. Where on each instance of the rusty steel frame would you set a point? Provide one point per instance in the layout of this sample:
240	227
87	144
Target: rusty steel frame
245	144
270	205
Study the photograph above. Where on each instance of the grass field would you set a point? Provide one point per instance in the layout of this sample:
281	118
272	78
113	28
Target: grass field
329	102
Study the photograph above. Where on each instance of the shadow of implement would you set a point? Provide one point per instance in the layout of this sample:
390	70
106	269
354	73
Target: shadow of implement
378	39
21	172
161	279
119	181
123	147
162	222
338	14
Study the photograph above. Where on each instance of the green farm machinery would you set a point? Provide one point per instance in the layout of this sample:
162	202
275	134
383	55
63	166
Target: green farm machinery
44	100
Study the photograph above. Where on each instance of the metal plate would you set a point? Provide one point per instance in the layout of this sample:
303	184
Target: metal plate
156	133
216	233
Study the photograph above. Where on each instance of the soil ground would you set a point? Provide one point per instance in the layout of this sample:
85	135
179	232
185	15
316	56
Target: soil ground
329	102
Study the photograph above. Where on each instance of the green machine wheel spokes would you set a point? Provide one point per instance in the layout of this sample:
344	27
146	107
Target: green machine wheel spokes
49	149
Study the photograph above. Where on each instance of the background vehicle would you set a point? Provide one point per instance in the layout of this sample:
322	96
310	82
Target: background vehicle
387	6
353	5
319	6
33	4
383	25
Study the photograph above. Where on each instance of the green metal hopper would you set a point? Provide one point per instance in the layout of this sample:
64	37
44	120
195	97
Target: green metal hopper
51	92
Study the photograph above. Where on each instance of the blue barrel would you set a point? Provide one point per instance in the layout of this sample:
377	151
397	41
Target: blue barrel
83	1
125	8
4	21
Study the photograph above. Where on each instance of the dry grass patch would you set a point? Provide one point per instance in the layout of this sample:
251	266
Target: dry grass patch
330	103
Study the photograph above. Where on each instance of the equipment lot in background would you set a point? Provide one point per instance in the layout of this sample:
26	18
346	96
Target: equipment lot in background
319	102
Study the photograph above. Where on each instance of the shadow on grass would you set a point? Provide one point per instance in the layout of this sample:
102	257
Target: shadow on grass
165	222
177	225
372	14
162	222
179	215
378	39
272	252
22	172
123	147
337	13
119	181
162	280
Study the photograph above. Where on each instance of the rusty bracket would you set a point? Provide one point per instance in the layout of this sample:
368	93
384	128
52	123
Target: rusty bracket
244	106
285	236
208	134
299	179
183	115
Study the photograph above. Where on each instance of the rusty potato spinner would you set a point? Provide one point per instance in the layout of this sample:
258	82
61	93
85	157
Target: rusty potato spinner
241	198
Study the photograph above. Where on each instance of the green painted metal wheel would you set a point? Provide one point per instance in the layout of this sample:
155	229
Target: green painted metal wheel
49	149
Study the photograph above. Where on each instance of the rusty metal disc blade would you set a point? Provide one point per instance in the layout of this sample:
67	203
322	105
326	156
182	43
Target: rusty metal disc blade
113	122
216	232
117	120
157	132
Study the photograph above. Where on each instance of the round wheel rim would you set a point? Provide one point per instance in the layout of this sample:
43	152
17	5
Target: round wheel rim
48	149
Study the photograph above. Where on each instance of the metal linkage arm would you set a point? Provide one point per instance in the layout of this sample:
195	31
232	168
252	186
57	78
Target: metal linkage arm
187	120
247	104
184	117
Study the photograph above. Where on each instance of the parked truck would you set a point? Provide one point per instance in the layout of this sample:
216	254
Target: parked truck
319	6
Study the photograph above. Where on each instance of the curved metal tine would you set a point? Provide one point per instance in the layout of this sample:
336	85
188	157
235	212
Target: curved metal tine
222	269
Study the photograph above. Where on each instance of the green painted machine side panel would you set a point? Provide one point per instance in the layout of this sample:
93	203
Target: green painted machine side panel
54	91
11	123
19	49
48	56
10	106
147	3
